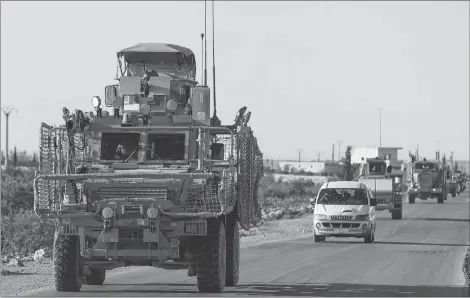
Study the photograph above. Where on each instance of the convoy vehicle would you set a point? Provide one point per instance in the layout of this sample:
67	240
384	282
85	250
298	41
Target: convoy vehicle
154	183
344	209
386	184
429	181
452	185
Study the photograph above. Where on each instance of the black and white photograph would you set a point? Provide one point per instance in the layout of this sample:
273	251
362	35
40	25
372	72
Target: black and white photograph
235	148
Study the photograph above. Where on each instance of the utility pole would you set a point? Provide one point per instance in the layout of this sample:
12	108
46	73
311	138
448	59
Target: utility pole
339	151
333	153
299	151
7	111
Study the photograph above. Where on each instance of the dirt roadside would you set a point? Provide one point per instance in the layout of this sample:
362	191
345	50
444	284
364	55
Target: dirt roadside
39	274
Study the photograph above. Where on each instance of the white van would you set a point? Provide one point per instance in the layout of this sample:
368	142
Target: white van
344	209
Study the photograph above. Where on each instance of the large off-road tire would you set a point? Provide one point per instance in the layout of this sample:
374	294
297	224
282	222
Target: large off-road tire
233	251
411	199
211	262
97	277
397	214
440	199
68	268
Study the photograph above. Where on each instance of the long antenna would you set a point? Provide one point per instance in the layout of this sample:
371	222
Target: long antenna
380	127
202	55
213	58
205	42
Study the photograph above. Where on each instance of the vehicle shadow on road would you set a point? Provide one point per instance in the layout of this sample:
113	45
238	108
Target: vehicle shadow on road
305	290
400	243
355	290
429	219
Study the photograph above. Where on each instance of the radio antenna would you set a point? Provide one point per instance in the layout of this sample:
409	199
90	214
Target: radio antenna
202	55
213	63
205	42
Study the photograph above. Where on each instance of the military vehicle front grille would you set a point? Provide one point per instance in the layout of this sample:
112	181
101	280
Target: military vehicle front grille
132	191
125	234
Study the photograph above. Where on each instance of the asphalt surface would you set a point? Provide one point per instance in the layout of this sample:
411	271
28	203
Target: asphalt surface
420	255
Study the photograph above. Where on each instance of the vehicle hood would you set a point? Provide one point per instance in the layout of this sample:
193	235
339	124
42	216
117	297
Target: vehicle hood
342	209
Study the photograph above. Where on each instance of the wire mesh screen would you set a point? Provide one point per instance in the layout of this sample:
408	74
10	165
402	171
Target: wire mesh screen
53	154
250	161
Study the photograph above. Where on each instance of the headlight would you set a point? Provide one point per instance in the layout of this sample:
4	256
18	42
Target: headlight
319	216
107	212
145	109
363	217
152	212
96	101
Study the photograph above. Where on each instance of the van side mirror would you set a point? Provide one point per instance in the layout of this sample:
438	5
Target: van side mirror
373	202
110	93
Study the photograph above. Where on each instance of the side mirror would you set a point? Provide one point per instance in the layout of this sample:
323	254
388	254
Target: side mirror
110	92
373	202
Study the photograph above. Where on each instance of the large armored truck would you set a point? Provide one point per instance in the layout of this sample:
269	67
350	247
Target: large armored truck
386	185
154	181
429	181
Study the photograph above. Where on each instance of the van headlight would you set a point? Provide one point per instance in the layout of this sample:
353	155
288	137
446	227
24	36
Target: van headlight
320	217
364	217
107	212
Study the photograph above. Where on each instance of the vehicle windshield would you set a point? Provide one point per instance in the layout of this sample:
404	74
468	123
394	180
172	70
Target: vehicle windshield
424	166
342	196
376	168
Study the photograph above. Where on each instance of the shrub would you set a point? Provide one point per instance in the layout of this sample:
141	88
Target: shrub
286	194
25	233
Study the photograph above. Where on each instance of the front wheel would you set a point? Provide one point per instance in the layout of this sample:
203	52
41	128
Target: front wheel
318	238
411	199
211	262
68	269
369	238
397	214
440	199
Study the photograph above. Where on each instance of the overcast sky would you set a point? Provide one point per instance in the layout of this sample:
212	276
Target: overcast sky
312	73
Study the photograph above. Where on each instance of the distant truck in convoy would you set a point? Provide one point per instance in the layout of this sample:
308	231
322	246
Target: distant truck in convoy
387	185
428	181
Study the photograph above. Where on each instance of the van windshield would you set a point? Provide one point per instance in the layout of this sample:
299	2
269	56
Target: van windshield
342	196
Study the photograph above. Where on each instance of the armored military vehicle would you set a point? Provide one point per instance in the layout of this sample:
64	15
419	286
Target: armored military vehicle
148	179
386	185
429	181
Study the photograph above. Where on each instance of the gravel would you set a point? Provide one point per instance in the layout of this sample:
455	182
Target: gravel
466	268
39	274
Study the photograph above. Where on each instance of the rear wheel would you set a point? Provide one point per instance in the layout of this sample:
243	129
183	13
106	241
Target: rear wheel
68	269
96	278
211	262
233	251
411	199
454	193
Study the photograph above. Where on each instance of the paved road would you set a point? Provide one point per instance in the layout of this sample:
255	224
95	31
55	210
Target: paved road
420	255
